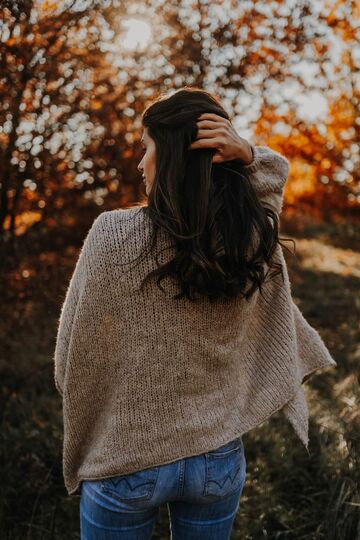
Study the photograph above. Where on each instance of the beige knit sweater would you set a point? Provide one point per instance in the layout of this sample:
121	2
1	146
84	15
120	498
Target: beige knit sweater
146	379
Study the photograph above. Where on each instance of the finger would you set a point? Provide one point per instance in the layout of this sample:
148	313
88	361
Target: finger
207	133
211	116
217	158
204	143
207	123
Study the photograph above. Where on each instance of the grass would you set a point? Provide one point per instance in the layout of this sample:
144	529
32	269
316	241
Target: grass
288	495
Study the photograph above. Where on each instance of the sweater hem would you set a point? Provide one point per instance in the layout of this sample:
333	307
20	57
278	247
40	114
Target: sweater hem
301	431
292	413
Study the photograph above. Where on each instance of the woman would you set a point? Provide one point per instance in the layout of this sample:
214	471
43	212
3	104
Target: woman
164	364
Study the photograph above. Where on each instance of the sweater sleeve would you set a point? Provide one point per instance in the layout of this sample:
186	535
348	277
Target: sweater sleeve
68	309
268	173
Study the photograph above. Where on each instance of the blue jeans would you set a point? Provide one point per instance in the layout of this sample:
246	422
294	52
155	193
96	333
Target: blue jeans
202	494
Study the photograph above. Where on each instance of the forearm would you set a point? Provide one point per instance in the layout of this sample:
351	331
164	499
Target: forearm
64	333
268	170
268	173
69	306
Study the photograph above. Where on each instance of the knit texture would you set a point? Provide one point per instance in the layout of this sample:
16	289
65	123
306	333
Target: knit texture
145	379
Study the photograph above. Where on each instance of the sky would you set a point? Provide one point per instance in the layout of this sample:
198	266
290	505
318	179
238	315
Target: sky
311	106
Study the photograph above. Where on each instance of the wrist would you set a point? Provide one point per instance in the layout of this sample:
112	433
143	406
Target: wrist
245	154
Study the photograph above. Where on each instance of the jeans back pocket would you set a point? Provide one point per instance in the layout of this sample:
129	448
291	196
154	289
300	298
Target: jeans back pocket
136	486
225	469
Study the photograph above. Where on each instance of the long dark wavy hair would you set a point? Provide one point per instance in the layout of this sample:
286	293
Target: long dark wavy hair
210	210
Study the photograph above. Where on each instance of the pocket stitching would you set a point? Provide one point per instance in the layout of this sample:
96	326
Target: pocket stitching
105	487
209	460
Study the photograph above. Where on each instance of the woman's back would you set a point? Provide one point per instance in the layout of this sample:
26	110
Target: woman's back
147	379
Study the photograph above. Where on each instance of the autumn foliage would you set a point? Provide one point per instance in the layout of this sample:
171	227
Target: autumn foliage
71	97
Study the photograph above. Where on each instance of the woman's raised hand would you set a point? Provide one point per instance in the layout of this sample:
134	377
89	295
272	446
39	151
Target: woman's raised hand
214	131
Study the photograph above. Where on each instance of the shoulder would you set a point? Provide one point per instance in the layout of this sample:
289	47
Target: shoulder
109	217
120	213
104	230
110	223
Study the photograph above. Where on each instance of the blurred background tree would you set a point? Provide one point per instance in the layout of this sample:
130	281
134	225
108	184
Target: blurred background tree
73	86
